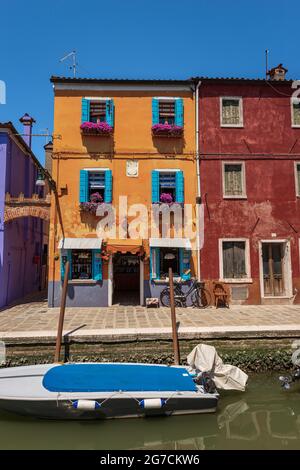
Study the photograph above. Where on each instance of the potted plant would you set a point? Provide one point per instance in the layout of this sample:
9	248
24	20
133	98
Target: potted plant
92	206
167	130
166	198
96	128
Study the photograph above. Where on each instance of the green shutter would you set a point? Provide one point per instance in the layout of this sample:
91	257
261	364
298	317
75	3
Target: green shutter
84	186
155	186
155	111
109	114
154	268
97	265
85	110
179	186
65	255
108	186
179	112
184	263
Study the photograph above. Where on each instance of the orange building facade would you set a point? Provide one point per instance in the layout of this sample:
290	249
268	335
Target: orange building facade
124	152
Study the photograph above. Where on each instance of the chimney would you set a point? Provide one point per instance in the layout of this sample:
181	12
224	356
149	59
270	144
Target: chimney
27	122
48	156
277	73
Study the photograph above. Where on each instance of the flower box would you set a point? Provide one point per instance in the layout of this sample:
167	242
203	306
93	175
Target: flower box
167	130
96	128
92	206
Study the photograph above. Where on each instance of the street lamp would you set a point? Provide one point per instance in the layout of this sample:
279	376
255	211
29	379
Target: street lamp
40	179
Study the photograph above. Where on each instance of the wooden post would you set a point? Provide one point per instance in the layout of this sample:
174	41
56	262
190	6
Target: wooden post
173	316
62	313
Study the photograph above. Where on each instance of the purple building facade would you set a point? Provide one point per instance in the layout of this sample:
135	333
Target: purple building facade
23	237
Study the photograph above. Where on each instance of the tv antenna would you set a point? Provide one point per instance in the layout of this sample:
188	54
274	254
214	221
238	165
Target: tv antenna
73	66
267	52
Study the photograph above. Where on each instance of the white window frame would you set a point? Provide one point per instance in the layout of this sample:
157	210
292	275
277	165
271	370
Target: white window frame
240	100
297	188
244	192
293	100
242	280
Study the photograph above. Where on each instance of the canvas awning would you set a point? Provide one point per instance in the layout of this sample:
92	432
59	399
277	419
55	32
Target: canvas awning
134	246
170	243
80	243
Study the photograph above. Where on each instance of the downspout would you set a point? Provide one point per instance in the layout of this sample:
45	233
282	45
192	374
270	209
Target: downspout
198	200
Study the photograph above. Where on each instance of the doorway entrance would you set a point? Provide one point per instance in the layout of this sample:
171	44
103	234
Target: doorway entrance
126	279
274	269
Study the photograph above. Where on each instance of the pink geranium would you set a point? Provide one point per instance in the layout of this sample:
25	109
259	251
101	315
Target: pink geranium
166	198
101	128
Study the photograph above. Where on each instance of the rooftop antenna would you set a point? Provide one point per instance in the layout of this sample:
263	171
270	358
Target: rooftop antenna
267	65
73	66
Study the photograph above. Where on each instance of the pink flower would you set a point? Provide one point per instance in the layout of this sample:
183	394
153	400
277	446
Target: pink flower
96	128
166	198
167	129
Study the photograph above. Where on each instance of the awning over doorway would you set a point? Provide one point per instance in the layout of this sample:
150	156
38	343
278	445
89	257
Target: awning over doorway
80	243
170	243
133	246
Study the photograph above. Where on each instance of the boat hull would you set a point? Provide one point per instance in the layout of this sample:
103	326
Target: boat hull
117	408
101	391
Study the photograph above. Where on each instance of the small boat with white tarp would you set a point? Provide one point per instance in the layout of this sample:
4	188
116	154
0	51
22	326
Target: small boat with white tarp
116	390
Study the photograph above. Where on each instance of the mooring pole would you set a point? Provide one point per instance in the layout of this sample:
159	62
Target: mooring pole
62	313
173	316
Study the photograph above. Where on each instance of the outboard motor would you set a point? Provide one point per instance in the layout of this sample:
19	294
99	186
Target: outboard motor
205	379
286	381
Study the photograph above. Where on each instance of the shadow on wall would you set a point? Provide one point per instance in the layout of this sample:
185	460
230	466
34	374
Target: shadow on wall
169	144
98	143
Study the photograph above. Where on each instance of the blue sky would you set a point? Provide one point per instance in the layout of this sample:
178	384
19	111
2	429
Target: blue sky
136	39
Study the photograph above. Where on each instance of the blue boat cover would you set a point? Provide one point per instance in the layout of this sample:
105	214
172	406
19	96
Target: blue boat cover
116	377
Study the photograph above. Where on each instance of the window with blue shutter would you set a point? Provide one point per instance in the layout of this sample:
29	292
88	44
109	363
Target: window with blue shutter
65	255
110	112
84	186
92	181
154	263
97	265
108	186
155	186
179	187
179	112
155	111
85	110
184	262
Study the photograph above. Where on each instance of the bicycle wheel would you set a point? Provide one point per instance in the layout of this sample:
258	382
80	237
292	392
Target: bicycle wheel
201	298
165	297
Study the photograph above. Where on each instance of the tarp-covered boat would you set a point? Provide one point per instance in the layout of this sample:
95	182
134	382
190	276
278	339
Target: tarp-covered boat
102	390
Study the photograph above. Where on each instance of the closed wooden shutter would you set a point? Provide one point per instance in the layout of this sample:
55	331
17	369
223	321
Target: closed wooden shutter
298	179
233	179
296	114
230	111
234	262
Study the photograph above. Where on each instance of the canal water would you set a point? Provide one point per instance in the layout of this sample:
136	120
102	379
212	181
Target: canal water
263	417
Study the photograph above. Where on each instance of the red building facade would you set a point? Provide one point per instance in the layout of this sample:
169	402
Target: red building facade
249	145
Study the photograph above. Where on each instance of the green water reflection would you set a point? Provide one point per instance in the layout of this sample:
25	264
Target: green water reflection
264	417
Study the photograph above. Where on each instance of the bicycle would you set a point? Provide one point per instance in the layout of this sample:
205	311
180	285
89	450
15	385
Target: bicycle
200	297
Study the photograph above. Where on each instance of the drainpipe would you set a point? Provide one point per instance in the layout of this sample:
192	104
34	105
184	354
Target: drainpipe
198	200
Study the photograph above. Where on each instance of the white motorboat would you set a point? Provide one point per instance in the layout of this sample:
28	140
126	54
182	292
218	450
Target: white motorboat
102	390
